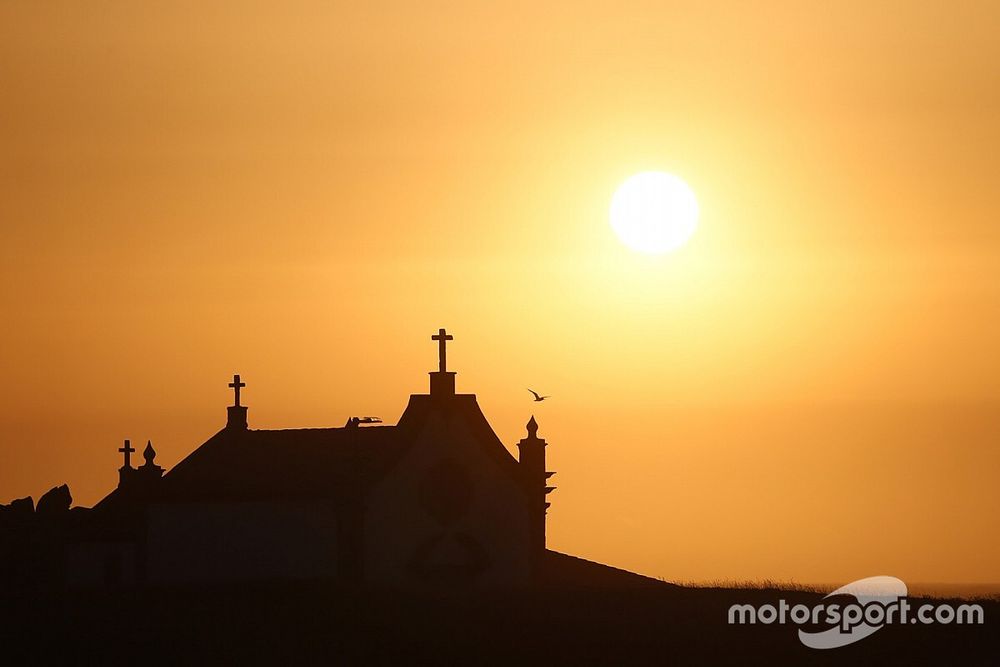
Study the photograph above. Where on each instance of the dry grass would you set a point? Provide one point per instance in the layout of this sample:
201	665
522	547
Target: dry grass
756	585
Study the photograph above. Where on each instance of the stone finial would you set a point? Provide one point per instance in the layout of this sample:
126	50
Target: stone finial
532	427
149	453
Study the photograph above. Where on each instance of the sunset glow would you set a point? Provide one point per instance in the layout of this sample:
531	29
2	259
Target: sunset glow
806	387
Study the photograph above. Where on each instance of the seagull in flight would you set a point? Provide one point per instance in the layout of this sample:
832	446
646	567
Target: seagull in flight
538	398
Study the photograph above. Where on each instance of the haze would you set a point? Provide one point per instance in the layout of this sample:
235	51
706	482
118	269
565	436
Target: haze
808	390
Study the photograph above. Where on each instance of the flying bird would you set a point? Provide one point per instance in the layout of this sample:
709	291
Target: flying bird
537	397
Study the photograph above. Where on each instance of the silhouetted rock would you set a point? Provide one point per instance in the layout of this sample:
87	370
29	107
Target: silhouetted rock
21	506
55	501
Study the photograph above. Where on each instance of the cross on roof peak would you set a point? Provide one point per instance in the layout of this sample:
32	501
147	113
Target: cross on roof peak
236	385
127	449
442	337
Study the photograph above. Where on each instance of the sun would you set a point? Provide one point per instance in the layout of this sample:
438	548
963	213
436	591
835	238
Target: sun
654	212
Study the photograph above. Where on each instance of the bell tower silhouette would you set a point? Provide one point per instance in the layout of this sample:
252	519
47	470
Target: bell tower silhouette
531	457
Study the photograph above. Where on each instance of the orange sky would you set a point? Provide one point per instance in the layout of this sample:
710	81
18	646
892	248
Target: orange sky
303	194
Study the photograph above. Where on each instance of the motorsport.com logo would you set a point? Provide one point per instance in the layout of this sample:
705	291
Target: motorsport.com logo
878	601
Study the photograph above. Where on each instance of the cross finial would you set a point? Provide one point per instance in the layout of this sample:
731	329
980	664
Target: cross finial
127	450
236	385
442	337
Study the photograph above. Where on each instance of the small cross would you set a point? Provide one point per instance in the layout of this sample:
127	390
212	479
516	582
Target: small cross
127	451
237	385
442	337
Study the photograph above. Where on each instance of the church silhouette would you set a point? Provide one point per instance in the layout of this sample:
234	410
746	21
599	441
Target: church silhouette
418	543
433	503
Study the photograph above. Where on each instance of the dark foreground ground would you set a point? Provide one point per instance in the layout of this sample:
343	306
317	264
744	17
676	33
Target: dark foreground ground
319	624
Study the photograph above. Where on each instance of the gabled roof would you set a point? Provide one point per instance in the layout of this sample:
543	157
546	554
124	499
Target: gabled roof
329	464
283	464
